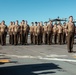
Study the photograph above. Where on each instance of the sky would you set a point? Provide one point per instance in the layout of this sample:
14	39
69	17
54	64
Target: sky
36	10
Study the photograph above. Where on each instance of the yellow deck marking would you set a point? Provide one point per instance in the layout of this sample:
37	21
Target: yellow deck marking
4	61
74	56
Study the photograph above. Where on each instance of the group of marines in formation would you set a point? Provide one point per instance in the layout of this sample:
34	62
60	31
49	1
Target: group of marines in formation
39	33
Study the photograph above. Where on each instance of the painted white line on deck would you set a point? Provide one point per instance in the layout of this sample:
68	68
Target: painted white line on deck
55	55
29	56
17	56
58	59
42	58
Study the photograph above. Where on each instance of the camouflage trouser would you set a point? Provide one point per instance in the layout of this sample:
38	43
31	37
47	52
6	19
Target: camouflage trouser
41	37
2	39
31	38
55	38
60	38
64	38
70	38
45	38
25	38
11	38
15	39
49	37
38	39
18	37
5	35
35	39
21	39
